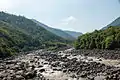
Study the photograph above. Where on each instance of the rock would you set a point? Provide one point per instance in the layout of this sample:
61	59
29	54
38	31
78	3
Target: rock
5	78
55	64
83	74
19	72
41	77
33	67
73	76
59	52
42	70
45	63
39	66
31	61
57	69
2	75
74	59
100	59
64	70
91	78
90	59
30	75
16	67
19	77
10	62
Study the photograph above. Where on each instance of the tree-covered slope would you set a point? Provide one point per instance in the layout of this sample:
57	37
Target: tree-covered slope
29	27
58	32
116	22
12	40
18	33
103	39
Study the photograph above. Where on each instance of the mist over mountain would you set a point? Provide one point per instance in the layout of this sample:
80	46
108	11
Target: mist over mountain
116	22
70	35
75	34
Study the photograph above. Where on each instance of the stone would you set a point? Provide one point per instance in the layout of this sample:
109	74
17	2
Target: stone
42	70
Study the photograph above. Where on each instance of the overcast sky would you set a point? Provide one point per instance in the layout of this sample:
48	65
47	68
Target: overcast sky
76	15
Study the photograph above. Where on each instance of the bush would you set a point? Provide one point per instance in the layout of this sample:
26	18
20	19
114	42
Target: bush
102	39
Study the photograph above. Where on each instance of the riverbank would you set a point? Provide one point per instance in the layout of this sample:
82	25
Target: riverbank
67	64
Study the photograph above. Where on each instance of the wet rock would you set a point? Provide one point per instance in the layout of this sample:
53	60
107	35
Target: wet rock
31	61
19	77
41	77
11	62
73	76
83	74
40	66
90	78
55	64
57	69
100	59
19	72
42	70
16	67
45	63
64	70
90	59
30	75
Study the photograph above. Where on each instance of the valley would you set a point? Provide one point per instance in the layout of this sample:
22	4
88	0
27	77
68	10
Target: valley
31	50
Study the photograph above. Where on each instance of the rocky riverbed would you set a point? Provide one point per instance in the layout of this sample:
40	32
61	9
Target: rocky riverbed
68	64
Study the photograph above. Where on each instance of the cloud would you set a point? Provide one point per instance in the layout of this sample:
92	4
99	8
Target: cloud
69	20
69	23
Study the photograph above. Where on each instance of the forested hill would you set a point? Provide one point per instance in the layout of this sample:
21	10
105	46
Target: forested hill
103	39
18	33
12	40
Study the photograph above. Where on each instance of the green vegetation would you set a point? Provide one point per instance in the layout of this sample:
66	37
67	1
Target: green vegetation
18	33
12	40
102	39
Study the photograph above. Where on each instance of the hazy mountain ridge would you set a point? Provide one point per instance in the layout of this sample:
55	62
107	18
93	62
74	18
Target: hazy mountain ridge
116	22
71	35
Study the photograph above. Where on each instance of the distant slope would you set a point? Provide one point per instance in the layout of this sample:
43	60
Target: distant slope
74	34
116	22
20	33
58	32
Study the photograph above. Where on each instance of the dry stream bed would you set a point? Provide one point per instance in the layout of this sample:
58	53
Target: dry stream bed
69	64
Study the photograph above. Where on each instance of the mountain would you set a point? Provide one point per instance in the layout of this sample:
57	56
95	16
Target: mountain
116	22
58	32
74	34
18	33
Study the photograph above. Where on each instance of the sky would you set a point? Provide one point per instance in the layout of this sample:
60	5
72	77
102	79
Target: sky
74	15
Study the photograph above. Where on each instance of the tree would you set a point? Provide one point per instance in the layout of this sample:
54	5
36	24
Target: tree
102	39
